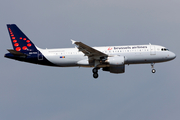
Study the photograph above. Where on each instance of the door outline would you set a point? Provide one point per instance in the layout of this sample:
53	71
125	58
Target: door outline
152	50
40	56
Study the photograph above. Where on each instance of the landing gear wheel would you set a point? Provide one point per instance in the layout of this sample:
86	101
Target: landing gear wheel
153	70
94	70
95	75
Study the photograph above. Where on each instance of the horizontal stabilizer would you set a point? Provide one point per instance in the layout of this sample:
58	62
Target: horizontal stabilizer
17	53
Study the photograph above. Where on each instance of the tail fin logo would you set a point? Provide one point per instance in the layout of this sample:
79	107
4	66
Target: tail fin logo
19	40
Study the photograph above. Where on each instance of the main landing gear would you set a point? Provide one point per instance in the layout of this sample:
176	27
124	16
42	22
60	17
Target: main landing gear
153	70
95	72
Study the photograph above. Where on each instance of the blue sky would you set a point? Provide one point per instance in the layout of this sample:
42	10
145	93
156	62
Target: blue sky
34	92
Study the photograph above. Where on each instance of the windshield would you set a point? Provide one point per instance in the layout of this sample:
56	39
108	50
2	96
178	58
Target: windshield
164	49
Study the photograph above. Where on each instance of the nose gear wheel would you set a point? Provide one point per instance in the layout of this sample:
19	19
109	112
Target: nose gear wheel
95	72
153	70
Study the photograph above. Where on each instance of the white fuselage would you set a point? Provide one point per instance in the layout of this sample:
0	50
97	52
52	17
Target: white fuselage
133	54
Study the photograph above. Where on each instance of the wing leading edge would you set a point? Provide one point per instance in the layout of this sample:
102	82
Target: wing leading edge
89	51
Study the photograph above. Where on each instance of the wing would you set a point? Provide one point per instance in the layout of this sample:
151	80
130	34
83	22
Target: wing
89	51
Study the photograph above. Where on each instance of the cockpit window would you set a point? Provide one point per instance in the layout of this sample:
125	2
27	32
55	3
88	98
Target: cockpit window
164	49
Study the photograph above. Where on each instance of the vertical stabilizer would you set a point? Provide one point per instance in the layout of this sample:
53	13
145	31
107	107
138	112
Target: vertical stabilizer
20	41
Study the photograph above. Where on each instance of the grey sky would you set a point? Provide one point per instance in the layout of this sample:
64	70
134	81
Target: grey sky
34	92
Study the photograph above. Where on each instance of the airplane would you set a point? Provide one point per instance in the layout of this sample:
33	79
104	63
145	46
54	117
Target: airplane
108	58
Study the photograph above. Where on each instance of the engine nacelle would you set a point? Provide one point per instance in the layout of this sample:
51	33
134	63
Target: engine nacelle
116	60
115	69
116	64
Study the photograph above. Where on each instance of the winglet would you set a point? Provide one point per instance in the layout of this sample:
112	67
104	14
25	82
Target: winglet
73	41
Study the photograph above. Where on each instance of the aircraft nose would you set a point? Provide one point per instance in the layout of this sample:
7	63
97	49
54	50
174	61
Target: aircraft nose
172	55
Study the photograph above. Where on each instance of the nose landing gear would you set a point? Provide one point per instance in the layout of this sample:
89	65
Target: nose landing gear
95	72
153	70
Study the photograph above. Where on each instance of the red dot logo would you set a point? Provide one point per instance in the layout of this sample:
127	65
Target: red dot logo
110	48
24	48
18	49
16	44
24	38
20	38
13	37
27	41
14	41
29	44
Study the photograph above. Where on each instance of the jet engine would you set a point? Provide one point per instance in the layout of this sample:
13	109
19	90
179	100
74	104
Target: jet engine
116	64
